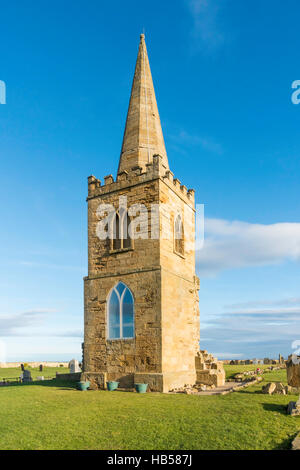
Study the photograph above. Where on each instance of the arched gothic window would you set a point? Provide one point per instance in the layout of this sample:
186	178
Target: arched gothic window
121	236
179	235
120	310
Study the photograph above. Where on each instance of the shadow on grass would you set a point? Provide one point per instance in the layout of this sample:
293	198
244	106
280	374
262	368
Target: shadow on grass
62	384
249	392
286	444
275	407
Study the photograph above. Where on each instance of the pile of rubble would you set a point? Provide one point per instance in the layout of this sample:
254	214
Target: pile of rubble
245	376
189	389
277	388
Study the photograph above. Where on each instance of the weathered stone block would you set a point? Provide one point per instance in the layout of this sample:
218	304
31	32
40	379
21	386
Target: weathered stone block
269	388
296	443
97	380
293	371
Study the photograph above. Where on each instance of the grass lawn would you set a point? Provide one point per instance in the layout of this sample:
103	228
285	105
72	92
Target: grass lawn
53	415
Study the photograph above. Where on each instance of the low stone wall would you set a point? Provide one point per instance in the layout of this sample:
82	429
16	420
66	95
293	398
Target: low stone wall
69	377
8	365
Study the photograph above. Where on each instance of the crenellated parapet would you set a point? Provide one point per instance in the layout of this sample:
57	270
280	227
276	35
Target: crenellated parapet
134	176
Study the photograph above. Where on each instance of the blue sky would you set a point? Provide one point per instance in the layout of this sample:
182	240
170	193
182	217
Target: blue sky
223	72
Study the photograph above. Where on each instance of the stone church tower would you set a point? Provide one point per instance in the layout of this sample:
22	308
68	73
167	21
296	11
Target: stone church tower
141	293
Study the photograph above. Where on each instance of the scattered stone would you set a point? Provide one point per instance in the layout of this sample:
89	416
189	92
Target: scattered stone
296	443
280	389
293	408
189	389
269	389
239	377
292	390
40	378
274	388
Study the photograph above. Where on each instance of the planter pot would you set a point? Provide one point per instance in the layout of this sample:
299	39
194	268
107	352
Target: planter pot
141	388
111	386
83	385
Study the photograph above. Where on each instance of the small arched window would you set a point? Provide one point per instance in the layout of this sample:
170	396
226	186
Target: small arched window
120	313
121	236
179	235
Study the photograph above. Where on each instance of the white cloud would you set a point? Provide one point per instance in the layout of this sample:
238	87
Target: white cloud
267	311
265	303
206	33
258	332
226	355
229	245
188	140
10	323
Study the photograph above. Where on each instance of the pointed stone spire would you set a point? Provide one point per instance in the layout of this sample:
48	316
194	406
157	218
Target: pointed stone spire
143	135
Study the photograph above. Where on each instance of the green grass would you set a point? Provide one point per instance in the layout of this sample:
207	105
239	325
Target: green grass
53	415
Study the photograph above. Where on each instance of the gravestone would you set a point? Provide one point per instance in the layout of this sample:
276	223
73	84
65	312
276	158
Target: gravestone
41	367
26	376
74	366
22	367
40	378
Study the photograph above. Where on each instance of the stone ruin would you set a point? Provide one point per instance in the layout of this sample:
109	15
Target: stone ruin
293	371
210	374
209	370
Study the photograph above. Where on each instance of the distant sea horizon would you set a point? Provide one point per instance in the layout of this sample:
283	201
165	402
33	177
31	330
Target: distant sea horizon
64	357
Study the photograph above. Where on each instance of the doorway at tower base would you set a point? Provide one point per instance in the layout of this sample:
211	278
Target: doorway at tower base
209	370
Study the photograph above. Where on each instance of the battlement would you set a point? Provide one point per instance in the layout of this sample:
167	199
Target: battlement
154	170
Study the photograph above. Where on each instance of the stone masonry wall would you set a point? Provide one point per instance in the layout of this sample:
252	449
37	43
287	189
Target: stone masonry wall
163	283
